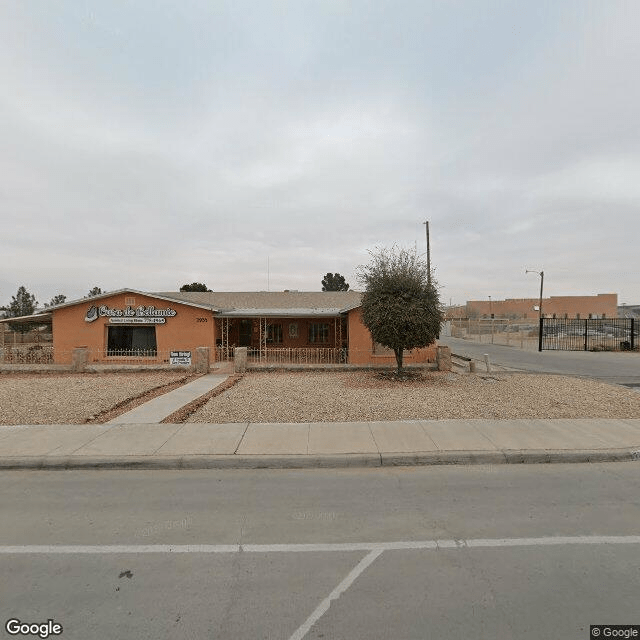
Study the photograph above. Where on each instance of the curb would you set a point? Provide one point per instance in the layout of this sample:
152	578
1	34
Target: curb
338	461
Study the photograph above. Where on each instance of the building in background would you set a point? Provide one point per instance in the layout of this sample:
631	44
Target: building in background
602	305
629	311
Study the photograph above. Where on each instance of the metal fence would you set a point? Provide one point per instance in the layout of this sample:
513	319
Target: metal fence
328	355
44	354
521	333
606	334
26	354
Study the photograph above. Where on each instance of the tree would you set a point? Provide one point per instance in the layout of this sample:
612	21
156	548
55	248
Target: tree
96	291
334	282
195	286
22	304
400	305
57	299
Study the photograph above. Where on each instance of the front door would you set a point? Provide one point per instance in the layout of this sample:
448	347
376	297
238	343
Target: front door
246	327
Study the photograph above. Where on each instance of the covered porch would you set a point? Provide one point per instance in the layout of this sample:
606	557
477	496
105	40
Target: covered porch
281	336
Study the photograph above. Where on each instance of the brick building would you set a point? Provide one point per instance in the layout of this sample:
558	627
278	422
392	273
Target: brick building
125	325
602	305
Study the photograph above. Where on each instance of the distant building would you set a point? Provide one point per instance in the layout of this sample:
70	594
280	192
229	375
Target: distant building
602	305
629	311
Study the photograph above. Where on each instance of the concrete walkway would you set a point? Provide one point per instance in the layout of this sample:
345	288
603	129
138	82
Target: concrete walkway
374	444
163	406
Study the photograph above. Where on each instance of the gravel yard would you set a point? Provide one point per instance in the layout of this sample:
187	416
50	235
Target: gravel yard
72	398
363	395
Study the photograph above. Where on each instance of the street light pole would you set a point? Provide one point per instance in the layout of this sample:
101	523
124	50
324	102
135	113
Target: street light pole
541	274
491	315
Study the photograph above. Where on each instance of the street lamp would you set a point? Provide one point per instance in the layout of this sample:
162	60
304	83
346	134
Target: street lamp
541	274
491	316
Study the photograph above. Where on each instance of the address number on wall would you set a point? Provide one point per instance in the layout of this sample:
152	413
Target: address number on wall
201	320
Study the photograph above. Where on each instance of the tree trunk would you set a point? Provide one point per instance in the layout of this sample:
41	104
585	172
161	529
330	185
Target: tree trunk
399	354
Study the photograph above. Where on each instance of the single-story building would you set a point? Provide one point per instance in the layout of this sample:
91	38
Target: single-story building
288	326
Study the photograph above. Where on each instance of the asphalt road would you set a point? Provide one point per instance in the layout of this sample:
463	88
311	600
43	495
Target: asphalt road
609	366
537	551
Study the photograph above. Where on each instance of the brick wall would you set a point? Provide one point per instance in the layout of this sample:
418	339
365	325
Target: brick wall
601	305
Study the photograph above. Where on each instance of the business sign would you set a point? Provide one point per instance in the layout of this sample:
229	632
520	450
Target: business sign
129	315
137	320
180	358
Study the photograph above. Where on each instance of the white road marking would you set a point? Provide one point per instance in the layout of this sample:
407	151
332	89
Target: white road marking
323	607
374	549
319	547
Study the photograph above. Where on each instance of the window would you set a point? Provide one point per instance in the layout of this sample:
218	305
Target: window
318	332
130	301
274	334
131	341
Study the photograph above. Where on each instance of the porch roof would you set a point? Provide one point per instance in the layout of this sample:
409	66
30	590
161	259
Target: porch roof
279	313
43	317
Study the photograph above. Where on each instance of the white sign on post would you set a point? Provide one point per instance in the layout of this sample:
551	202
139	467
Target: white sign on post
181	358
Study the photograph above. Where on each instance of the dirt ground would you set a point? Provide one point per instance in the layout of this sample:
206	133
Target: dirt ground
364	396
315	396
75	398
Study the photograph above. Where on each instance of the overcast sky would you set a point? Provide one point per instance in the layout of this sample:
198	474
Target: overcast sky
146	144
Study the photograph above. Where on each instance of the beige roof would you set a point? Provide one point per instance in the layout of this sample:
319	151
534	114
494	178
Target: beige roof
310	301
44	317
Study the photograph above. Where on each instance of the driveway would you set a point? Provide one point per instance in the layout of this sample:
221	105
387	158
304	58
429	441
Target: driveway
618	367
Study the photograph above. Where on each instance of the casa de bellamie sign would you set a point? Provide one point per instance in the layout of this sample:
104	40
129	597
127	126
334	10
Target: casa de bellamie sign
130	315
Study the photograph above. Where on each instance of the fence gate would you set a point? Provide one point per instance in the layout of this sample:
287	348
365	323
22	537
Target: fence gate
604	334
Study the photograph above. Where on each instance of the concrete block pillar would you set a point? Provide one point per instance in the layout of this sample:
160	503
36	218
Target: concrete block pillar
444	358
202	360
240	359
79	359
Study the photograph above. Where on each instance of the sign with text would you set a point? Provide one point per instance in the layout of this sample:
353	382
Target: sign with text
182	358
129	314
137	320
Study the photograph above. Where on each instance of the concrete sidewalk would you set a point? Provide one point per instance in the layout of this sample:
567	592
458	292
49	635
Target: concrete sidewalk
372	444
159	408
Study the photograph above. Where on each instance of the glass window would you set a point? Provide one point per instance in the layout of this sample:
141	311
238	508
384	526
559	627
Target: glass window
274	334
318	332
131	341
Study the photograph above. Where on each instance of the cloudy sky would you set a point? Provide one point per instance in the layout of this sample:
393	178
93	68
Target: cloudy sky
259	144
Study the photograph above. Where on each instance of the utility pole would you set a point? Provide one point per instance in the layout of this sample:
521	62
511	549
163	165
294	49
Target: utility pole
426	223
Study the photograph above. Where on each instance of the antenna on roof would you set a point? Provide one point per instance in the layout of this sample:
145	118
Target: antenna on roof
268	275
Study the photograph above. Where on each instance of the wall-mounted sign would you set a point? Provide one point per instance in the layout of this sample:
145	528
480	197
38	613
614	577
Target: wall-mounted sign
137	320
180	358
139	315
